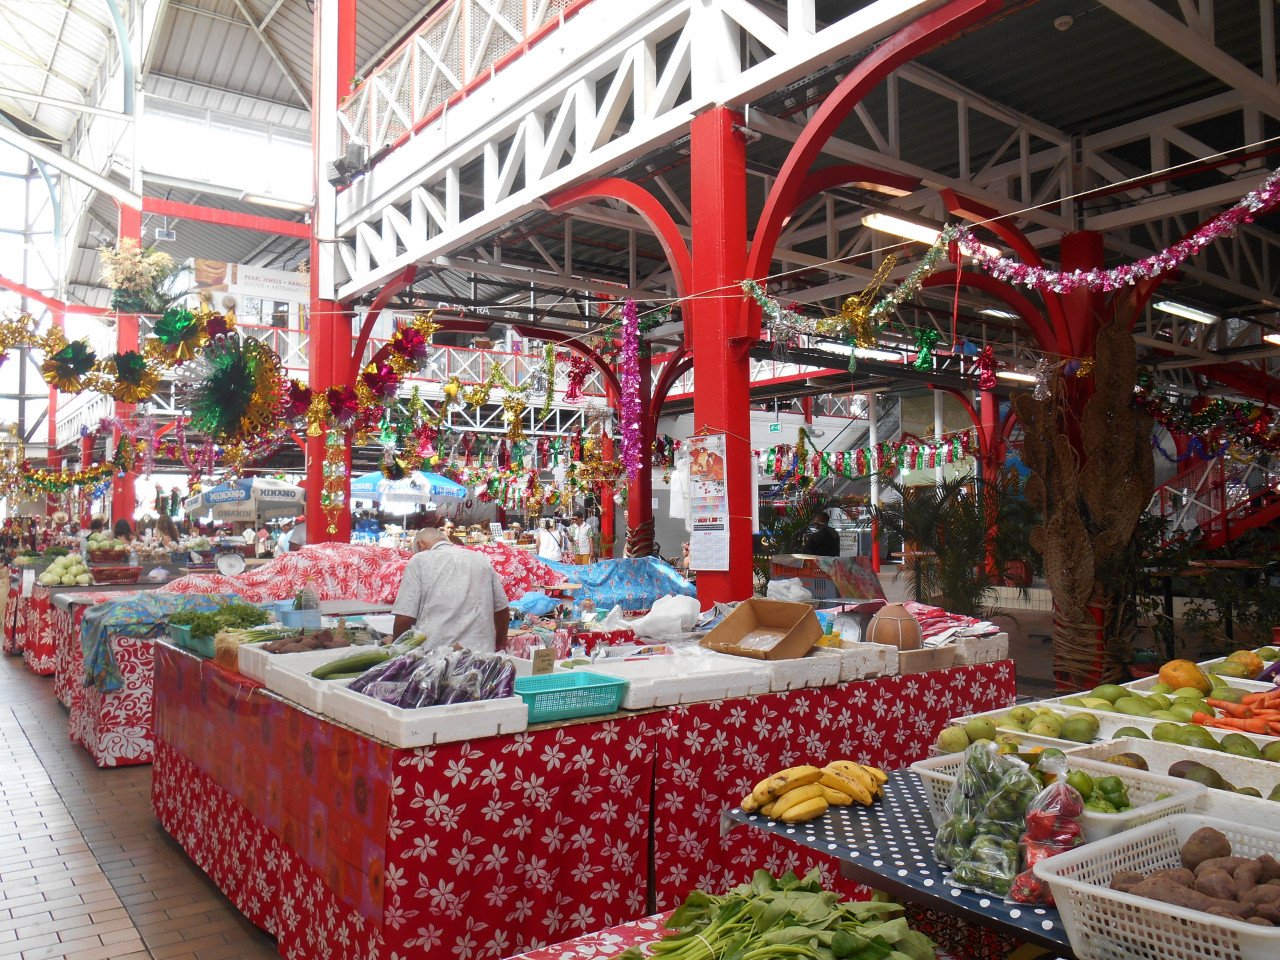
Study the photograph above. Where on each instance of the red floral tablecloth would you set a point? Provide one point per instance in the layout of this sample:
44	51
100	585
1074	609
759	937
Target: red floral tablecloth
37	647
115	727
353	571
480	849
604	944
68	657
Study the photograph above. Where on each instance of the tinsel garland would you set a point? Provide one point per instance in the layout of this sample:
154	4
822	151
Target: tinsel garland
986	369
235	392
795	463
1213	421
926	340
333	493
1225	224
629	380
549	371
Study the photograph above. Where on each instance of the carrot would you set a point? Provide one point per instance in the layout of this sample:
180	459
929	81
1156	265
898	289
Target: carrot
1252	725
1237	710
1262	697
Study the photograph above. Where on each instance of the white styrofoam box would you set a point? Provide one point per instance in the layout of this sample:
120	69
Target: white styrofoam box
1108	724
666	680
1151	795
1105	924
1263	775
860	661
289	675
800	672
253	661
423	726
988	649
1146	683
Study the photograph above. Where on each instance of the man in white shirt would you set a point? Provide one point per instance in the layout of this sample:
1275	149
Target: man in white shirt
581	535
295	539
451	594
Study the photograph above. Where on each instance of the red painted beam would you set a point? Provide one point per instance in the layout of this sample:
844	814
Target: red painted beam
394	286
226	218
32	294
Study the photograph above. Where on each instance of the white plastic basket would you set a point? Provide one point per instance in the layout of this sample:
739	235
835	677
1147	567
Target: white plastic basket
1105	924
860	661
938	775
1239	771
289	675
423	726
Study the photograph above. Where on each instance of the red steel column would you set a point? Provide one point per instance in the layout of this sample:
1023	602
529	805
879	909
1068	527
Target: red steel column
720	403
123	496
53	456
608	515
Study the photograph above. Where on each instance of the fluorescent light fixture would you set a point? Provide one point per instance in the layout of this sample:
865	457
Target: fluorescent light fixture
1187	313
868	354
1273	338
899	227
998	314
1016	375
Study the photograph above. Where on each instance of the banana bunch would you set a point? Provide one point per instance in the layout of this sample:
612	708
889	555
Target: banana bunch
798	794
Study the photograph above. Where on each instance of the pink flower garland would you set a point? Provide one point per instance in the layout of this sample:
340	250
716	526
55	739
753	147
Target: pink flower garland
629	376
1224	224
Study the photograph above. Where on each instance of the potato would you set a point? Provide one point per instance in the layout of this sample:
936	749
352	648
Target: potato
1270	868
1124	879
1229	864
1263	894
1217	884
1169	892
1246	876
1268	911
1260	922
1205	844
1179	875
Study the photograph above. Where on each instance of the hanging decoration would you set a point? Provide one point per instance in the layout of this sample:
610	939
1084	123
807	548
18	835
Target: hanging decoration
177	336
576	377
549	372
65	367
513	407
986	369
234	391
333	496
1213	422
926	340
136	276
1225	224
629	378
854	322
1043	373
797	464
135	380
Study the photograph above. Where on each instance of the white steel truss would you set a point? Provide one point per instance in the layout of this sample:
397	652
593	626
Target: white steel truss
616	81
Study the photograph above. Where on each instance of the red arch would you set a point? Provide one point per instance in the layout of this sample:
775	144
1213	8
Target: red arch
645	204
1006	294
394	286
912	40
853	174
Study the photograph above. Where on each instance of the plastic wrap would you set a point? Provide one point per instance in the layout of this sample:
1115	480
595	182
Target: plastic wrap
1053	825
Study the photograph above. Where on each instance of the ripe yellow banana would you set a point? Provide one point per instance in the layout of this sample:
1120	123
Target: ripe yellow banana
767	809
879	775
749	804
853	788
793	798
771	788
859	773
805	811
836	798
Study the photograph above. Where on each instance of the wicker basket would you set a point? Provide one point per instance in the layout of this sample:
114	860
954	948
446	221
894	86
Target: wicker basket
109	558
116	574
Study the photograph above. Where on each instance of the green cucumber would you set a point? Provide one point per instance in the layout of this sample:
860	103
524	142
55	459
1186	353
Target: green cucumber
352	663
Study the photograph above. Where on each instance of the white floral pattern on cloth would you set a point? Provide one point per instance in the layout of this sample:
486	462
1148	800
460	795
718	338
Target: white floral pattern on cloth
116	727
604	944
353	571
68	654
37	647
716	752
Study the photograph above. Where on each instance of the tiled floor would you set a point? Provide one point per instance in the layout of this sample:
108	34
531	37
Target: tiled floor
85	871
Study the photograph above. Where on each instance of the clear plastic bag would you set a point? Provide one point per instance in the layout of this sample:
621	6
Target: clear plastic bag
1053	825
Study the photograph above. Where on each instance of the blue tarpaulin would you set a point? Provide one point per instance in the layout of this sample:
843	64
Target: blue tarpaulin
635	583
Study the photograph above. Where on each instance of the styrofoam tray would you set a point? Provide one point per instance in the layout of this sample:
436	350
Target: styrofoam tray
424	726
289	675
938	775
252	661
988	649
801	672
1108	724
1105	924
1146	683
1240	771
665	680
859	661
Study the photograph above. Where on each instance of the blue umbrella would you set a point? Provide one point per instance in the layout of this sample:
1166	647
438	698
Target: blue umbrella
414	489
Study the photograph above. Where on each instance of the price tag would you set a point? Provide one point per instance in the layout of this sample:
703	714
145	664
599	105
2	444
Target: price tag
544	661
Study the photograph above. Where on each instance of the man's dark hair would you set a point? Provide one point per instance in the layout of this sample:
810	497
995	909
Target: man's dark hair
822	516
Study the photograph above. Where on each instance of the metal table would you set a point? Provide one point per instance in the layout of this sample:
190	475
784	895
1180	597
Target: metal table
889	846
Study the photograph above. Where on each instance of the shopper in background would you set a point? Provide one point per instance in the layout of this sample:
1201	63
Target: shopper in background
295	539
822	540
123	531
451	594
581	534
167	533
549	541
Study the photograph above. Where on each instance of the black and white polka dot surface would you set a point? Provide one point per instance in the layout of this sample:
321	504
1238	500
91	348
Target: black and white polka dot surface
890	845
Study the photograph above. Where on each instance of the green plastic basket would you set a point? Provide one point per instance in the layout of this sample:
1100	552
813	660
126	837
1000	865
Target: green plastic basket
181	635
564	696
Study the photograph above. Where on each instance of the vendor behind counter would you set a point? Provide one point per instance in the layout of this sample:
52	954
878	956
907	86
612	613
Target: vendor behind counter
451	594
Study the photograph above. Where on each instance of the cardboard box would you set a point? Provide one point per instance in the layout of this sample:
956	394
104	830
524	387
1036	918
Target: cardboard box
926	659
766	630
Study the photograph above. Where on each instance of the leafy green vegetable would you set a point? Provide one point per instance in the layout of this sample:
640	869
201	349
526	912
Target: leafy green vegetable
786	918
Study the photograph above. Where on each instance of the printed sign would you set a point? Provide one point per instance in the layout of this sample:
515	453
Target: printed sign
708	503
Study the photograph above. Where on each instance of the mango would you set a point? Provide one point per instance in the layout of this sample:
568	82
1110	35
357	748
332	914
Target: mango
1249	660
1110	692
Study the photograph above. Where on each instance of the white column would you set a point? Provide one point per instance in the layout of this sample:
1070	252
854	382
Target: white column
873	435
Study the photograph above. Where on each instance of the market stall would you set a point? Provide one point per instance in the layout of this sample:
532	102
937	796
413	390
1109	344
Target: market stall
379	855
